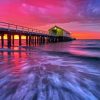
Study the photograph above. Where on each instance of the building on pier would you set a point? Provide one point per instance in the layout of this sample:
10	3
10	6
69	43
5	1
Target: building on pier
58	31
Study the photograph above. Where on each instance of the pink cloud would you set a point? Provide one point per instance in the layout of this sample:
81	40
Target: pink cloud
41	12
36	12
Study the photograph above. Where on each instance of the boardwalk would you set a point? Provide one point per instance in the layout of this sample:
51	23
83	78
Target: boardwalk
32	35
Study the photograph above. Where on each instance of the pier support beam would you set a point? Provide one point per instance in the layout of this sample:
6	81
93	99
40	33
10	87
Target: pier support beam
34	40
46	39
13	40
43	39
49	39
38	39
9	40
55	39
27	40
20	40
2	40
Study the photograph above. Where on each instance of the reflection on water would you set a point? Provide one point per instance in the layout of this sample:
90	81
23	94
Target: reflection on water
50	72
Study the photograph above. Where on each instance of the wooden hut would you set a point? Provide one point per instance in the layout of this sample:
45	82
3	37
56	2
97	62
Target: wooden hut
58	31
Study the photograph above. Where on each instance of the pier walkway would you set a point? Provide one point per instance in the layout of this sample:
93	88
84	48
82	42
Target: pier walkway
31	35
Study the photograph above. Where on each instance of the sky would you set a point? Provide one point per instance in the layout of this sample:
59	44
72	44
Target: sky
80	17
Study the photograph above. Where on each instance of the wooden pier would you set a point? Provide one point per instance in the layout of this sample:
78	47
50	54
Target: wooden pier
33	36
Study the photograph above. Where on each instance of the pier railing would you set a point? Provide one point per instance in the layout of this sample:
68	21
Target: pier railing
10	26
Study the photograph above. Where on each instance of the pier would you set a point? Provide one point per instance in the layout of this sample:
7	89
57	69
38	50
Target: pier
32	36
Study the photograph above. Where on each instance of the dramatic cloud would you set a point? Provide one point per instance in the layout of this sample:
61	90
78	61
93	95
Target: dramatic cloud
64	10
51	11
45	12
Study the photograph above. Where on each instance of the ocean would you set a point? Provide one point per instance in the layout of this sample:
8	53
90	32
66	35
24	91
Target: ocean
56	71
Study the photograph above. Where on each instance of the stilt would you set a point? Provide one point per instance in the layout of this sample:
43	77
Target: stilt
38	40
49	39
34	39
43	39
20	40
30	40
27	40
2	40
9	40
13	40
46	39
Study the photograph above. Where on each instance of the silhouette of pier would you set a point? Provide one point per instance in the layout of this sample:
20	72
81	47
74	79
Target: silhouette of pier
32	35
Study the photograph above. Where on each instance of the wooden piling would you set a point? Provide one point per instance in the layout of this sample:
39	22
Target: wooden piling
2	40
38	39
34	39
20	40
27	40
9	40
43	39
13	40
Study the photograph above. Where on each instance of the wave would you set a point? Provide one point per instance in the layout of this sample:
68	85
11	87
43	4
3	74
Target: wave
79	53
92	48
60	53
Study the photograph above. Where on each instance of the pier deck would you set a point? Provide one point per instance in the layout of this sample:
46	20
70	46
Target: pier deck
32	35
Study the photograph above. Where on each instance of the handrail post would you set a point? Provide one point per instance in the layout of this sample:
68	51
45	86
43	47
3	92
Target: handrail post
8	27
16	28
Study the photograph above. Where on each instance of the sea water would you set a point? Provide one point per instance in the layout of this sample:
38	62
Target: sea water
57	71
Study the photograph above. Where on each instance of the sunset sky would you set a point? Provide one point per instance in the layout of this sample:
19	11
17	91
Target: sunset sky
80	17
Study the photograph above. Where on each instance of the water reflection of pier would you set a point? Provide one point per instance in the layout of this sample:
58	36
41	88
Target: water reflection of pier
32	36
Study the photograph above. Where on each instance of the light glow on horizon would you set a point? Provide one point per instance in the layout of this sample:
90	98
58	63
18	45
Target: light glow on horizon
86	35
